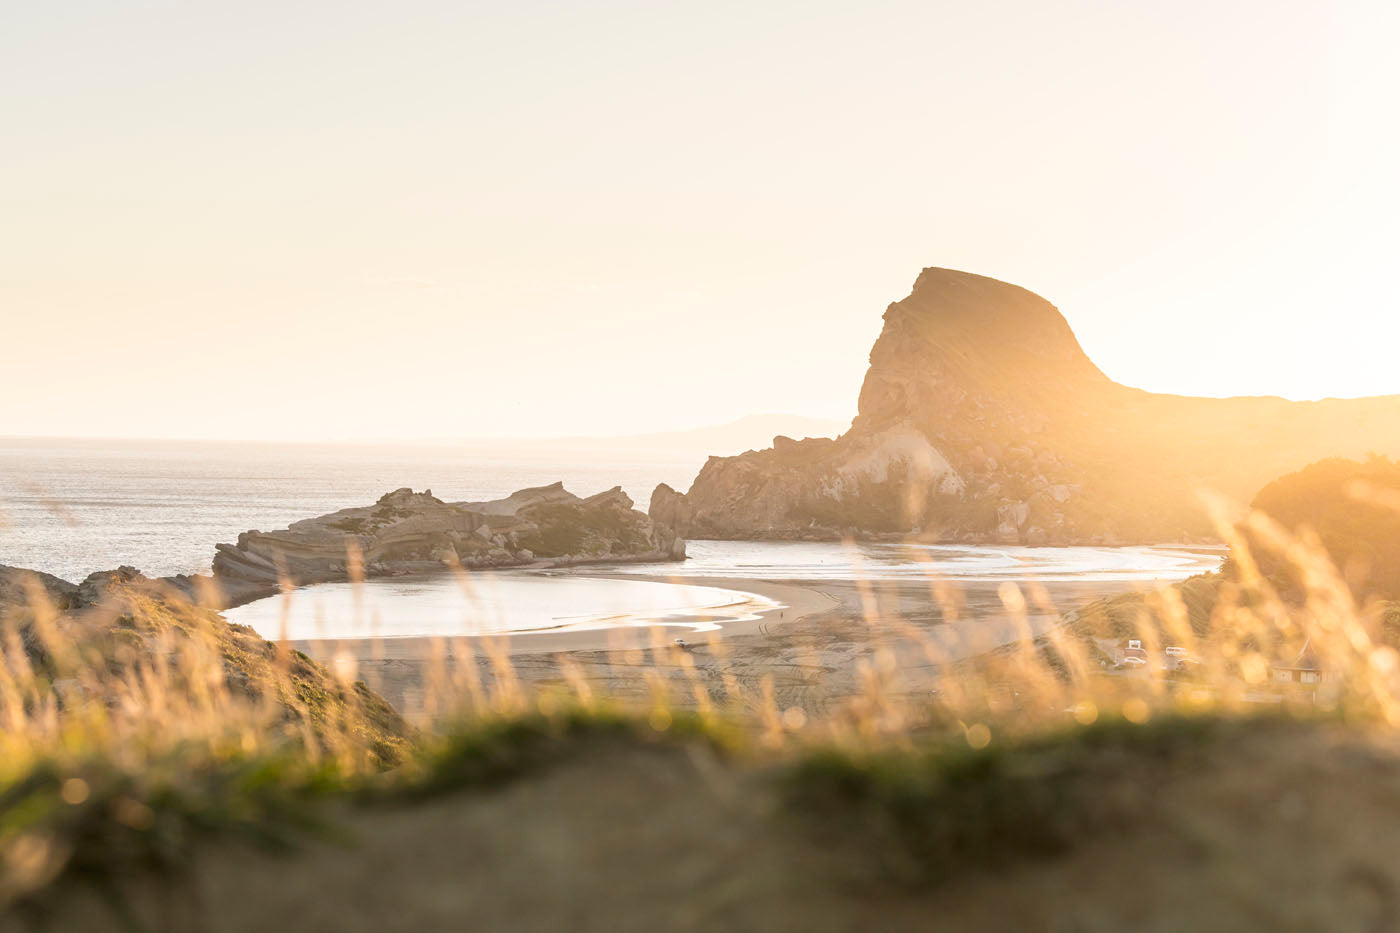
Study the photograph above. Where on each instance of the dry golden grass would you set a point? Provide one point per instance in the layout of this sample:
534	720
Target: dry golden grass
131	716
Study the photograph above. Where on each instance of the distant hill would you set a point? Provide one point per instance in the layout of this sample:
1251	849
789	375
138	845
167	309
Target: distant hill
981	419
1353	508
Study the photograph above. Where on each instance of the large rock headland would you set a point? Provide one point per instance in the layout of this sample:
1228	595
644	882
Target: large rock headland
982	420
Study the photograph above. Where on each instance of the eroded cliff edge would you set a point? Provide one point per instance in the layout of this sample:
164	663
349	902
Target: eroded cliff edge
409	532
981	420
94	640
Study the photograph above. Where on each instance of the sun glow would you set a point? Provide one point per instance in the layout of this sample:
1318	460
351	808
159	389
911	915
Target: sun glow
402	242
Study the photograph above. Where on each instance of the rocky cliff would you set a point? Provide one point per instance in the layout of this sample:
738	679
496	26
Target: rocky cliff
117	628
407	531
981	419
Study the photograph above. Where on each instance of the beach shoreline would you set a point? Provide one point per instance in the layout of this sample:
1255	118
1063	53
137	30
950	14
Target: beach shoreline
794	604
820	647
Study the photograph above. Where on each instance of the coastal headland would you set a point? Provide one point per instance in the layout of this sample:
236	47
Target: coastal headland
982	420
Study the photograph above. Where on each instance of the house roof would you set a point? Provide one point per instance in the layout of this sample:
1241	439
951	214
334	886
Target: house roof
1307	660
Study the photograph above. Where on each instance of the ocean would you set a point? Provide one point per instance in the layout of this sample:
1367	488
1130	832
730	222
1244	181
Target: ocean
71	507
596	597
493	603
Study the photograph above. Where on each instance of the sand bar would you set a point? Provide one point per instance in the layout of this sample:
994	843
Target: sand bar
794	603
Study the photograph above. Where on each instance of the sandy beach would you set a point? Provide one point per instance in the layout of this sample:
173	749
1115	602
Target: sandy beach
814	649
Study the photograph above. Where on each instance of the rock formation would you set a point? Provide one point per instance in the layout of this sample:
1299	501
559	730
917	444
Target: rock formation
407	531
118	627
982	420
19	587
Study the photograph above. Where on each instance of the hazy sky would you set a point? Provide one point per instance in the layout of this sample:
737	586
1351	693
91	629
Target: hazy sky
338	219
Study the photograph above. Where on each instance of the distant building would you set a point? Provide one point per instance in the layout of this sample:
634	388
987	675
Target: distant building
1305	670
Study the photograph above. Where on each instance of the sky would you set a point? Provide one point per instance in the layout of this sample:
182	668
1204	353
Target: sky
321	219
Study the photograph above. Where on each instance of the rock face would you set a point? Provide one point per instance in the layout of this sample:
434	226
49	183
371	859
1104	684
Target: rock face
19	586
407	531
982	420
127	626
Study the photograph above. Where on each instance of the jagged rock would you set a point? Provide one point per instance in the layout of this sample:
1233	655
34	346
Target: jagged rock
131	623
407	532
524	498
19	587
669	507
97	587
978	392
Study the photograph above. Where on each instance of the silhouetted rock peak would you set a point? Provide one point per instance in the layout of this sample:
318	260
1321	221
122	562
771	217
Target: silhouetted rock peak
982	419
956	333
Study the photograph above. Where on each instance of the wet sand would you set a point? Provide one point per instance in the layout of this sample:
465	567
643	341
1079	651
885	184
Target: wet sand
795	603
817	649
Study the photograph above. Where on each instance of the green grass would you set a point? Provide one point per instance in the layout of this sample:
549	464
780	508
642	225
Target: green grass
581	530
484	752
932	810
94	821
919	811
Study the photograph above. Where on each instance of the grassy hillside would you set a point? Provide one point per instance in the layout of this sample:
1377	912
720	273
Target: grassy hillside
139	657
592	821
1348	508
158	768
1319	543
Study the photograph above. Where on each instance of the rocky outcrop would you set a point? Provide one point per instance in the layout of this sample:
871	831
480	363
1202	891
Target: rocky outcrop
408	532
21	587
94	639
981	419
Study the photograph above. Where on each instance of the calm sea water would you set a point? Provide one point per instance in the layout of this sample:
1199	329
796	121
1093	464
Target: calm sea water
492	603
585	597
71	507
818	560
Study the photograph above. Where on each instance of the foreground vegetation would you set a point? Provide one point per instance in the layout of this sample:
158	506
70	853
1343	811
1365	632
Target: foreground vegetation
639	807
154	756
1313	570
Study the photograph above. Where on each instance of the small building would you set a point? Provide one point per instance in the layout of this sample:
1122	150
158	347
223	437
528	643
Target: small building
1305	670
